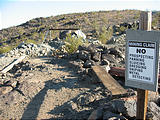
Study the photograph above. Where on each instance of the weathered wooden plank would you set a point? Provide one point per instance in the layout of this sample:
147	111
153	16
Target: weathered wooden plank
10	66
142	95
142	101
109	82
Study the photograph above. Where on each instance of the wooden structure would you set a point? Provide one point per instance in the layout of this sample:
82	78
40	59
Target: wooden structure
108	81
10	66
142	95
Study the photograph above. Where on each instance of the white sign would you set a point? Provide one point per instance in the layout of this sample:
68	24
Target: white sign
141	60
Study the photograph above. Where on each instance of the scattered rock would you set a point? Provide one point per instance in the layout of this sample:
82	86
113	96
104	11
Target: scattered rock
154	110
127	107
63	34
22	66
80	34
106	67
14	84
88	64
153	96
72	105
112	116
96	56
96	115
116	52
5	89
77	33
110	58
92	48
105	62
92	98
84	55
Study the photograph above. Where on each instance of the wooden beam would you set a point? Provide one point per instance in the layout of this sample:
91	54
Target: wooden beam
10	66
120	72
108	81
145	20
142	101
142	95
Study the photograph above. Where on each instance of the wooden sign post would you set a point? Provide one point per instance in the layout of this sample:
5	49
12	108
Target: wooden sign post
142	55
142	95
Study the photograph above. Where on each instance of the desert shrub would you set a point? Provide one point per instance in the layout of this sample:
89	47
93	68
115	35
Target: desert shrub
31	41
156	18
72	43
41	36
122	29
136	16
105	34
5	49
95	28
135	27
155	22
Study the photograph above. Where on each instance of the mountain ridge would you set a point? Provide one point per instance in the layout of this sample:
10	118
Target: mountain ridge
34	29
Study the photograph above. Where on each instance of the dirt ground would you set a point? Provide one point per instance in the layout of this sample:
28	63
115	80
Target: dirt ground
51	89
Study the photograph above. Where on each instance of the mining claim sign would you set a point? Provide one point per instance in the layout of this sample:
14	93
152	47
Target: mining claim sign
142	54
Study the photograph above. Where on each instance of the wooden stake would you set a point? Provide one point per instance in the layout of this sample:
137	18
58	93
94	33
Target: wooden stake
142	95
142	101
145	20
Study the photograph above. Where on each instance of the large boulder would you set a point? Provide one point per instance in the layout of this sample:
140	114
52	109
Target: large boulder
84	55
63	34
126	107
88	64
153	96
96	56
116	52
77	33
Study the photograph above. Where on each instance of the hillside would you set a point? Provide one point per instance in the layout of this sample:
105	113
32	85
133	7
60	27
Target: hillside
69	77
89	22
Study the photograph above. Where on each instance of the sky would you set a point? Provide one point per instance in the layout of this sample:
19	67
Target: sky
16	12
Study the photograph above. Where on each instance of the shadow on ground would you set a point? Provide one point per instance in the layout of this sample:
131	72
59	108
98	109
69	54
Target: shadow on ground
32	109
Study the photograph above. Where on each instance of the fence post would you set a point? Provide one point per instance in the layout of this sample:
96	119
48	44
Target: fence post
142	95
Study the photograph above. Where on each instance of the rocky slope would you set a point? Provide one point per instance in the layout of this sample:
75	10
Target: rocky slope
89	22
52	84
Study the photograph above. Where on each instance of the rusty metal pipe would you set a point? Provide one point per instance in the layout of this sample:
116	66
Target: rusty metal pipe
120	72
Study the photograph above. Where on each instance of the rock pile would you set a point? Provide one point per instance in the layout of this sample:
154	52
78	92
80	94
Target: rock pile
77	33
103	55
87	56
121	28
123	109
117	39
22	66
31	50
116	109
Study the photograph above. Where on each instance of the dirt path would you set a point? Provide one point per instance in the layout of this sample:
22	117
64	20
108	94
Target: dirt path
51	89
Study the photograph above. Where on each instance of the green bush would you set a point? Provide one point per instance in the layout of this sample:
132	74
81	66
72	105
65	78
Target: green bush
5	49
105	35
122	29
31	41
155	19
41	36
135	27
72	43
96	28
